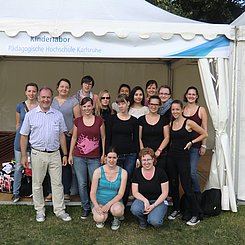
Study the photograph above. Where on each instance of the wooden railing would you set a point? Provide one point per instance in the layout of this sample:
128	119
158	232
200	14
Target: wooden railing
6	145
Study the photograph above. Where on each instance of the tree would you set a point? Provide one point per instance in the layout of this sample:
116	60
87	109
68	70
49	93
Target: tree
213	11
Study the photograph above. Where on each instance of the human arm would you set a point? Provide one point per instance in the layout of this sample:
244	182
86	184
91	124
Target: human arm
119	196
72	145
140	137
139	196
161	198
204	117
164	142
64	148
17	116
93	190
191	125
23	148
102	134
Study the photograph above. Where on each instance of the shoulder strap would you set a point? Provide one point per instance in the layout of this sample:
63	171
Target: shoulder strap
26	108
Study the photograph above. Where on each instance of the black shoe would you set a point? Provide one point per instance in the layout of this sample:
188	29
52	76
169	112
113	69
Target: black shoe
85	214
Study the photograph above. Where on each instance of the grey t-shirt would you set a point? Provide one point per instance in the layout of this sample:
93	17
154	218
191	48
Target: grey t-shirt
67	110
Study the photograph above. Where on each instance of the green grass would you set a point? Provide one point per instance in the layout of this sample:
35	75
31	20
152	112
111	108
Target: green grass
18	226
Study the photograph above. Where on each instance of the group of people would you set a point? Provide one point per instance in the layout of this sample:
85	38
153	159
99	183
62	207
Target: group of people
139	145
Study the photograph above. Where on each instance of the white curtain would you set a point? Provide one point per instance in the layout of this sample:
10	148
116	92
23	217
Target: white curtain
215	83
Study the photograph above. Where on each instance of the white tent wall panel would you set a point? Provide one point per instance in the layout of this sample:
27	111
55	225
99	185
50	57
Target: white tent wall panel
14	74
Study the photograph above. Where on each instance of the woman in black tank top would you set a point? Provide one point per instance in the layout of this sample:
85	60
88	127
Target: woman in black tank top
179	160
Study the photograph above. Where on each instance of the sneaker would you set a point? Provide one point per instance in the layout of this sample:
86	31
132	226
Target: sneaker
40	217
122	218
65	217
115	224
193	221
85	214
15	198
174	215
100	225
48	198
67	198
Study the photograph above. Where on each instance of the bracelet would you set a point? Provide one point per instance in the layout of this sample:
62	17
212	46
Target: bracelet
191	142
204	146
159	150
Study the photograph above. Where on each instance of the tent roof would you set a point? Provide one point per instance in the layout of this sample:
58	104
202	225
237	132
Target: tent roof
100	17
239	21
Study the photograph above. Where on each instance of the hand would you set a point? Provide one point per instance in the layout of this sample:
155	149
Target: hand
105	208
202	151
188	145
137	163
70	160
98	209
157	153
146	204
149	209
102	159
24	161
64	160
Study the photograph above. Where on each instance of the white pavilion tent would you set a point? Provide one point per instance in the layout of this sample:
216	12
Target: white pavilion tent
133	30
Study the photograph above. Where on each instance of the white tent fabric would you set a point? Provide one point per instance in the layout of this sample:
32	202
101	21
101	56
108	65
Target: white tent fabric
100	17
107	20
216	91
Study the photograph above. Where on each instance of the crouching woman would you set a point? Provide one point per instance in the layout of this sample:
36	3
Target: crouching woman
107	189
150	189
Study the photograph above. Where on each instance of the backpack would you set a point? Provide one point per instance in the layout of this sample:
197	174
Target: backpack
211	202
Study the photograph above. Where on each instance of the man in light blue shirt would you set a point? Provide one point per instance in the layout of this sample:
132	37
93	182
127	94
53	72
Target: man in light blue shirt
46	127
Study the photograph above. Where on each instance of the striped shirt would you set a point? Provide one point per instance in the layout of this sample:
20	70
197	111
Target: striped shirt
44	128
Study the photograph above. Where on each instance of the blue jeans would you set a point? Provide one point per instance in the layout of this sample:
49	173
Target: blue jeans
83	166
154	218
127	162
194	157
17	173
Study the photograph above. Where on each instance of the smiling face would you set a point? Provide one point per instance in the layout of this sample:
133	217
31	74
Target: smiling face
138	96
147	162
87	108
111	159
124	90
153	105
45	99
31	93
151	90
63	88
176	110
164	94
191	96
87	87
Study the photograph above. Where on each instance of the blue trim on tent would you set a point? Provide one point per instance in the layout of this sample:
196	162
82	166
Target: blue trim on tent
205	48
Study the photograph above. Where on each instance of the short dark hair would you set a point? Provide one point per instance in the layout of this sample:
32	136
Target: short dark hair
124	85
46	88
65	80
179	102
165	86
154	97
87	79
122	98
111	149
31	84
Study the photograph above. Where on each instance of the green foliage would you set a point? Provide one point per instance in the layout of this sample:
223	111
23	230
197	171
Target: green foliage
213	11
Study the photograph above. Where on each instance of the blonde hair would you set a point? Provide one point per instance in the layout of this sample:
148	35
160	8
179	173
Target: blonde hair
98	104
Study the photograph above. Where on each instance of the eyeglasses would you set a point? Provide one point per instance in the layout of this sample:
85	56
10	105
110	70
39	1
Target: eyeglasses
152	104
146	160
105	98
164	94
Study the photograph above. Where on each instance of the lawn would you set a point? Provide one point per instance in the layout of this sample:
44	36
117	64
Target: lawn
18	226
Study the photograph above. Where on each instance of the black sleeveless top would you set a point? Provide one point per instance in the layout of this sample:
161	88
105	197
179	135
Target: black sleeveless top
198	121
178	140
